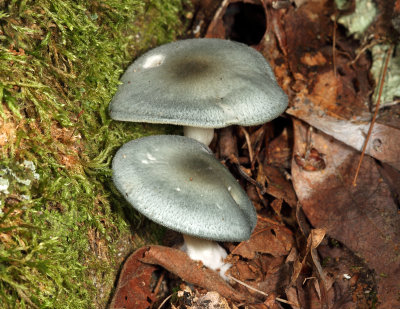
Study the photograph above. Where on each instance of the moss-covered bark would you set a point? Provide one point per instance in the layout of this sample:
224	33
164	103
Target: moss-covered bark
61	226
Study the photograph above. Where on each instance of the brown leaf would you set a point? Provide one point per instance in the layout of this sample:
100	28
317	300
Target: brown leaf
364	218
270	302
133	289
317	235
276	205
179	263
269	238
383	143
227	145
291	294
313	241
279	186
244	272
280	151
338	89
340	265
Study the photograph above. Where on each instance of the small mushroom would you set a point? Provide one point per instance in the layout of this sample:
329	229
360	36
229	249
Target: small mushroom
201	84
176	182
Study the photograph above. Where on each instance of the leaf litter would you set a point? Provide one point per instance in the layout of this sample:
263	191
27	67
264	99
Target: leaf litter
320	241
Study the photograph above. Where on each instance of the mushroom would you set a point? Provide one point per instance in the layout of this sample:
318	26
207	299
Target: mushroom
176	182
201	84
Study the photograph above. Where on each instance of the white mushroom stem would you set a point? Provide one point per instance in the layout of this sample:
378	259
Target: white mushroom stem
203	135
209	252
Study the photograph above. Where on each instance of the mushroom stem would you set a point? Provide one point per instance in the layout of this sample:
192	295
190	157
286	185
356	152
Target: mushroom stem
203	135
209	252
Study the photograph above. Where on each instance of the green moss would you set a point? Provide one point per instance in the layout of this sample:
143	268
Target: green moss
61	223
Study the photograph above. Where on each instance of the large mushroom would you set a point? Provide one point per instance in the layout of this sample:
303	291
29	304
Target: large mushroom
201	84
177	182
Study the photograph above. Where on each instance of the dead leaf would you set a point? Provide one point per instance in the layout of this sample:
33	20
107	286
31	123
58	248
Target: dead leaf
364	218
279	151
291	294
383	143
278	186
352	283
179	263
133	289
271	303
227	145
276	240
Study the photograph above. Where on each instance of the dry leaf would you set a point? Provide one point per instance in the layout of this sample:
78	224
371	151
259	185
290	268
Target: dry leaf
133	289
179	263
365	218
269	238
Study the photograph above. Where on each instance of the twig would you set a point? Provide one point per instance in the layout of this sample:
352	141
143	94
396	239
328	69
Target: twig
246	285
268	220
247	137
235	161
363	49
308	278
157	288
287	302
164	301
334	45
382	81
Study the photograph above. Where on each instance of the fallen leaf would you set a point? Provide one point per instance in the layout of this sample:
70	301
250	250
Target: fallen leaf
291	294
364	218
133	290
278	186
179	263
279	151
227	145
353	284
273	239
383	143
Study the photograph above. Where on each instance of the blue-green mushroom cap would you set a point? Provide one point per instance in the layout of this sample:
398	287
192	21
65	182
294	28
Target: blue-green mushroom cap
209	83
177	182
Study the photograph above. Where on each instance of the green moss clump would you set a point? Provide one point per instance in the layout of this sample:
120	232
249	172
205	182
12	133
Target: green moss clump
60	62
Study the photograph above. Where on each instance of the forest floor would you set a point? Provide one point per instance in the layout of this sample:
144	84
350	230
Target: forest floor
328	232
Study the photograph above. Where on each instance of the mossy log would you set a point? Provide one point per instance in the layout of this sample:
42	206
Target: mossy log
63	231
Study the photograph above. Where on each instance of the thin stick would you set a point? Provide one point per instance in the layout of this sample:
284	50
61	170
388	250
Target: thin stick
235	161
287	302
363	49
157	289
247	137
334	45
164	301
268	220
382	81
246	285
